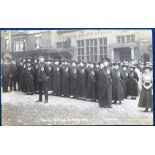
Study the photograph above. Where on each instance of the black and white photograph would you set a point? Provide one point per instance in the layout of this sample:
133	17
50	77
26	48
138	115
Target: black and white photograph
77	77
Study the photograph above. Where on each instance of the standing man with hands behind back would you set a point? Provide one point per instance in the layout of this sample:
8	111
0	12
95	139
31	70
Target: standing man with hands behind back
42	78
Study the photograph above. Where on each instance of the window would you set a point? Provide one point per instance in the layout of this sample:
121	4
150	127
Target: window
132	38
80	44
128	38
103	47
123	39
63	44
19	46
120	39
91	49
7	44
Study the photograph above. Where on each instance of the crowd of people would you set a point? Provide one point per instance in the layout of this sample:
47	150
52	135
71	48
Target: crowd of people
105	82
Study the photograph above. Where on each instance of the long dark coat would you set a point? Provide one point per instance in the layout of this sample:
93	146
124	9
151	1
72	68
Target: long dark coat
20	74
82	82
65	80
50	80
74	81
125	79
117	85
35	70
57	72
23	80
5	76
133	83
86	74
13	69
104	88
91	84
30	80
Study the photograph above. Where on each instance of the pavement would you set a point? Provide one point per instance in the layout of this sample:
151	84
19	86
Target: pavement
20	109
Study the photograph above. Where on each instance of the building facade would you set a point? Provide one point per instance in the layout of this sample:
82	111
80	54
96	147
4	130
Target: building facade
87	45
93	45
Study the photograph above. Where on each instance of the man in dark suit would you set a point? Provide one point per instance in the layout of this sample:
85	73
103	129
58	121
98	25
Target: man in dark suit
42	78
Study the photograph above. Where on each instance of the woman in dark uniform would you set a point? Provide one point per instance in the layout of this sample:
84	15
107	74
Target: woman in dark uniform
104	85
133	83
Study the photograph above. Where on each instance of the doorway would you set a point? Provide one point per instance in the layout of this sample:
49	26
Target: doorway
122	53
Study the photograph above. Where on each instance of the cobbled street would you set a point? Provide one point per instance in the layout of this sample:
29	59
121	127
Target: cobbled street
21	109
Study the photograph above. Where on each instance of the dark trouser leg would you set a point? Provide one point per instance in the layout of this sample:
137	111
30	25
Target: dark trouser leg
11	83
14	83
40	84
6	84
46	90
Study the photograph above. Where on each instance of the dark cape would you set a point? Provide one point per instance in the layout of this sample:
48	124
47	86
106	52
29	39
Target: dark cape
133	83
82	82
65	87
57	72
92	84
74	81
117	85
30	80
104	88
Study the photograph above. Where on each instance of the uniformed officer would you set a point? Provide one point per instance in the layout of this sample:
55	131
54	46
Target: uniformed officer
42	78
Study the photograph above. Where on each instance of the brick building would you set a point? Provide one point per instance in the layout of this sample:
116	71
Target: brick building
88	45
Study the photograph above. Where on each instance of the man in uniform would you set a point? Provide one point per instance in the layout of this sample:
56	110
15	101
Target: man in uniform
42	78
6	72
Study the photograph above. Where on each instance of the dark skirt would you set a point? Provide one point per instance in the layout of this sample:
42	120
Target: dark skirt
146	98
133	87
30	86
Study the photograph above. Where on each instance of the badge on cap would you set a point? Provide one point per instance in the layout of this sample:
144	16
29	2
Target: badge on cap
108	71
75	71
42	68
